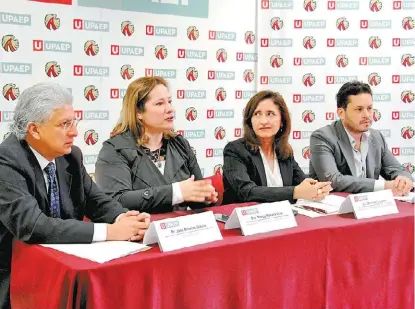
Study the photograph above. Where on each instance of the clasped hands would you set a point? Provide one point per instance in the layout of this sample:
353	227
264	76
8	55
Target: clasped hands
131	225
311	189
400	185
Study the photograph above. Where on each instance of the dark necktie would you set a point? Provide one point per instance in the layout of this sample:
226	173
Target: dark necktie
54	199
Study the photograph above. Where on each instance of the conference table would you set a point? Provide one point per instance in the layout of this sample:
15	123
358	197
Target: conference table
334	262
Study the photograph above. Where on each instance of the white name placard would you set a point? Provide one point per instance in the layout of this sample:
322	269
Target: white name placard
262	218
185	231
371	204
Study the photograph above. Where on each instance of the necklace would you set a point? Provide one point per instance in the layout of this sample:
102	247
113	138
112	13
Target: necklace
158	158
156	155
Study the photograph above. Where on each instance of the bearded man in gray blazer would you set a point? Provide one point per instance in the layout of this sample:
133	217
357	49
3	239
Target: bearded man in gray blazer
352	155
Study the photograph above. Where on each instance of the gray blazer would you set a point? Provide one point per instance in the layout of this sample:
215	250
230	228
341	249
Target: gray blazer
24	204
332	160
127	174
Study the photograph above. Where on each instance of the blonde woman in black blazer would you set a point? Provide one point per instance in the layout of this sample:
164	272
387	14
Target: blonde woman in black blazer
145	165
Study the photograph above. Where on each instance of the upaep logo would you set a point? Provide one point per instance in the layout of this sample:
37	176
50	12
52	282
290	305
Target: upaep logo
91	25
127	28
309	42
11	92
10	43
127	72
220	94
249	37
374	79
192	33
276	61
408	60
192	74
309	80
407	96
160	51
276	23
310	5
191	114
308	116
91	93
407	132
91	48
342	24
219	133
91	137
52	22
52	69
306	152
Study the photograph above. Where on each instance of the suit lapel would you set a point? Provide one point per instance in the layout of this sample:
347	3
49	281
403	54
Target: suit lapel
370	159
40	182
39	177
65	185
256	158
345	146
286	172
174	162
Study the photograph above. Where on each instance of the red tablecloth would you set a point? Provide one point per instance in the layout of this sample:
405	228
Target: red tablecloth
329	262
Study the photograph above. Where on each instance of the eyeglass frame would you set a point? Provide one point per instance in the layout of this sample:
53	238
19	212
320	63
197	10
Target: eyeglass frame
72	122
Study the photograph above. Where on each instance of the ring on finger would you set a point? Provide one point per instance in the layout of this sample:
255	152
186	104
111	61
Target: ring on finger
319	191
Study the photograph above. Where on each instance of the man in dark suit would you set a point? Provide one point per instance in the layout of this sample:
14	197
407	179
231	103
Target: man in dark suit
45	191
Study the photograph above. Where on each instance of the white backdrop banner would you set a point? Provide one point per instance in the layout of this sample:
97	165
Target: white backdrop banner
215	55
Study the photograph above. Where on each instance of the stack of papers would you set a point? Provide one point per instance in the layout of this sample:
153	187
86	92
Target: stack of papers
328	206
410	197
100	252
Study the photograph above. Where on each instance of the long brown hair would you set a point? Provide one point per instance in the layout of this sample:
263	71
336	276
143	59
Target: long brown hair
134	102
284	149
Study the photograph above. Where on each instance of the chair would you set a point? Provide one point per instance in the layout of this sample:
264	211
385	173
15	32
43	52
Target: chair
217	183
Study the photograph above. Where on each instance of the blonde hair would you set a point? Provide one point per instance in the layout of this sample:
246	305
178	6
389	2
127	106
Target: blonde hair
134	102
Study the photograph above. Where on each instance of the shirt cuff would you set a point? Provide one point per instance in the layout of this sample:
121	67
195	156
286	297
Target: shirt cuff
379	185
100	232
177	194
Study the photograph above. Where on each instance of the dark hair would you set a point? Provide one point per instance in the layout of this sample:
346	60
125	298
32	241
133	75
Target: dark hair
351	88
284	149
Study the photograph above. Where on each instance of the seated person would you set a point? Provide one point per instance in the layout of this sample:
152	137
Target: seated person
45	191
352	155
145	165
260	167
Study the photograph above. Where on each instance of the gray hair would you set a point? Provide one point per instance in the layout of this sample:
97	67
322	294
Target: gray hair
36	104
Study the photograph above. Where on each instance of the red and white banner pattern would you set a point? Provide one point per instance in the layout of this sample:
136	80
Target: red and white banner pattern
308	49
215	65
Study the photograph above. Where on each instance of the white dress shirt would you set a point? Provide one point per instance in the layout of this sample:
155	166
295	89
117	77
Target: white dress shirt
360	158
177	197
274	179
100	229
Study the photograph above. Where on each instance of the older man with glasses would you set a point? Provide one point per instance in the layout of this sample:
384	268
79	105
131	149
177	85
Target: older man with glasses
45	191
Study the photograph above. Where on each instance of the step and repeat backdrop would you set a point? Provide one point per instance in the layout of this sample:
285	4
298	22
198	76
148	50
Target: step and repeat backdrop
215	55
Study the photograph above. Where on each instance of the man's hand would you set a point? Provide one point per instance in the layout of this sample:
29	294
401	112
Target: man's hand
400	186
130	226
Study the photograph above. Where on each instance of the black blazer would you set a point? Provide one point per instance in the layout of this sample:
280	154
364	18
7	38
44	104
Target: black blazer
24	204
127	174
244	177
